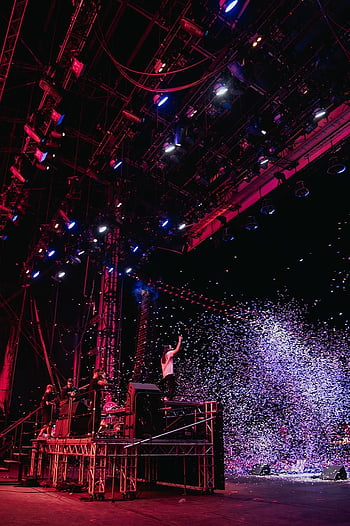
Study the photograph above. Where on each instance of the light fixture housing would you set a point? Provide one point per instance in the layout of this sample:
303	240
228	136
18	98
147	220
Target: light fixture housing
301	189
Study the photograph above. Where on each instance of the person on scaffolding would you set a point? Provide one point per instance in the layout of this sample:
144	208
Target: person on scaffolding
48	409
167	365
97	382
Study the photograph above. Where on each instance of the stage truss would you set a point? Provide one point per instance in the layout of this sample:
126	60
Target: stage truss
94	462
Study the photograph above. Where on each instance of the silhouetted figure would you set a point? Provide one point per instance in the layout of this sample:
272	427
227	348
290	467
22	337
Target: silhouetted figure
97	382
48	408
167	364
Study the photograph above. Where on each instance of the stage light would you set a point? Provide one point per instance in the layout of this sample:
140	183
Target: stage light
159	66
115	163
169	147
16	173
336	166
14	217
74	260
164	223
71	225
35	274
57	135
110	269
77	67
131	117
51	253
263	161
101	229
191	112
251	223
227	235
57	117
319	113
59	276
40	155
182	226
228	5
135	248
128	270
267	207
220	89
191	28
301	190
31	133
160	100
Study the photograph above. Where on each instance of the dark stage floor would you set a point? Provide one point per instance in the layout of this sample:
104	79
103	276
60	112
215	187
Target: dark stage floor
245	501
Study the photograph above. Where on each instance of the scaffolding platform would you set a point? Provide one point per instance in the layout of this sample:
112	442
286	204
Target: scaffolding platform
186	453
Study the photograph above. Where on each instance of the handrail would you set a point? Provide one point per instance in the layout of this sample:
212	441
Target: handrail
18	422
169	432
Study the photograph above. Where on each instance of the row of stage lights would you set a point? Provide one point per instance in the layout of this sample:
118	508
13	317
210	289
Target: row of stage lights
91	241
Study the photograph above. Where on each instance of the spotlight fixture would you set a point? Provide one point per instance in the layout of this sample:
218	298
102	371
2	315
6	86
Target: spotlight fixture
35	274
263	161
191	28
301	190
59	276
102	229
182	226
228	5
267	207
32	133
16	173
71	225
77	67
220	89
40	155
251	223
319	113
74	260
169	147
191	112
227	235
160	99
57	117
115	163
336	166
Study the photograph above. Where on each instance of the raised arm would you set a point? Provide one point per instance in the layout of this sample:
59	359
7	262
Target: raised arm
177	348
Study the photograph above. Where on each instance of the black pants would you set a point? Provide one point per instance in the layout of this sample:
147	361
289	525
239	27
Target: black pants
169	383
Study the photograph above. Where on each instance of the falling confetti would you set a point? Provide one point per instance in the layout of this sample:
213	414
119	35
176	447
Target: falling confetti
283	383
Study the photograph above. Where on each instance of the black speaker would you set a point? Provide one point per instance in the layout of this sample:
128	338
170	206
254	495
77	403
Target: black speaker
143	417
334	473
260	469
78	424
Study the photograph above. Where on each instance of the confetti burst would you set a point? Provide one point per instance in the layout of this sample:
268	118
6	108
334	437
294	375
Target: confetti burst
283	384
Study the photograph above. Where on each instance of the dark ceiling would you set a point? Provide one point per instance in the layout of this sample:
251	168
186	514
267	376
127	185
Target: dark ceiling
98	64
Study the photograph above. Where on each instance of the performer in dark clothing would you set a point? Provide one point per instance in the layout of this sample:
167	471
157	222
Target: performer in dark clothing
167	364
69	390
97	381
47	407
